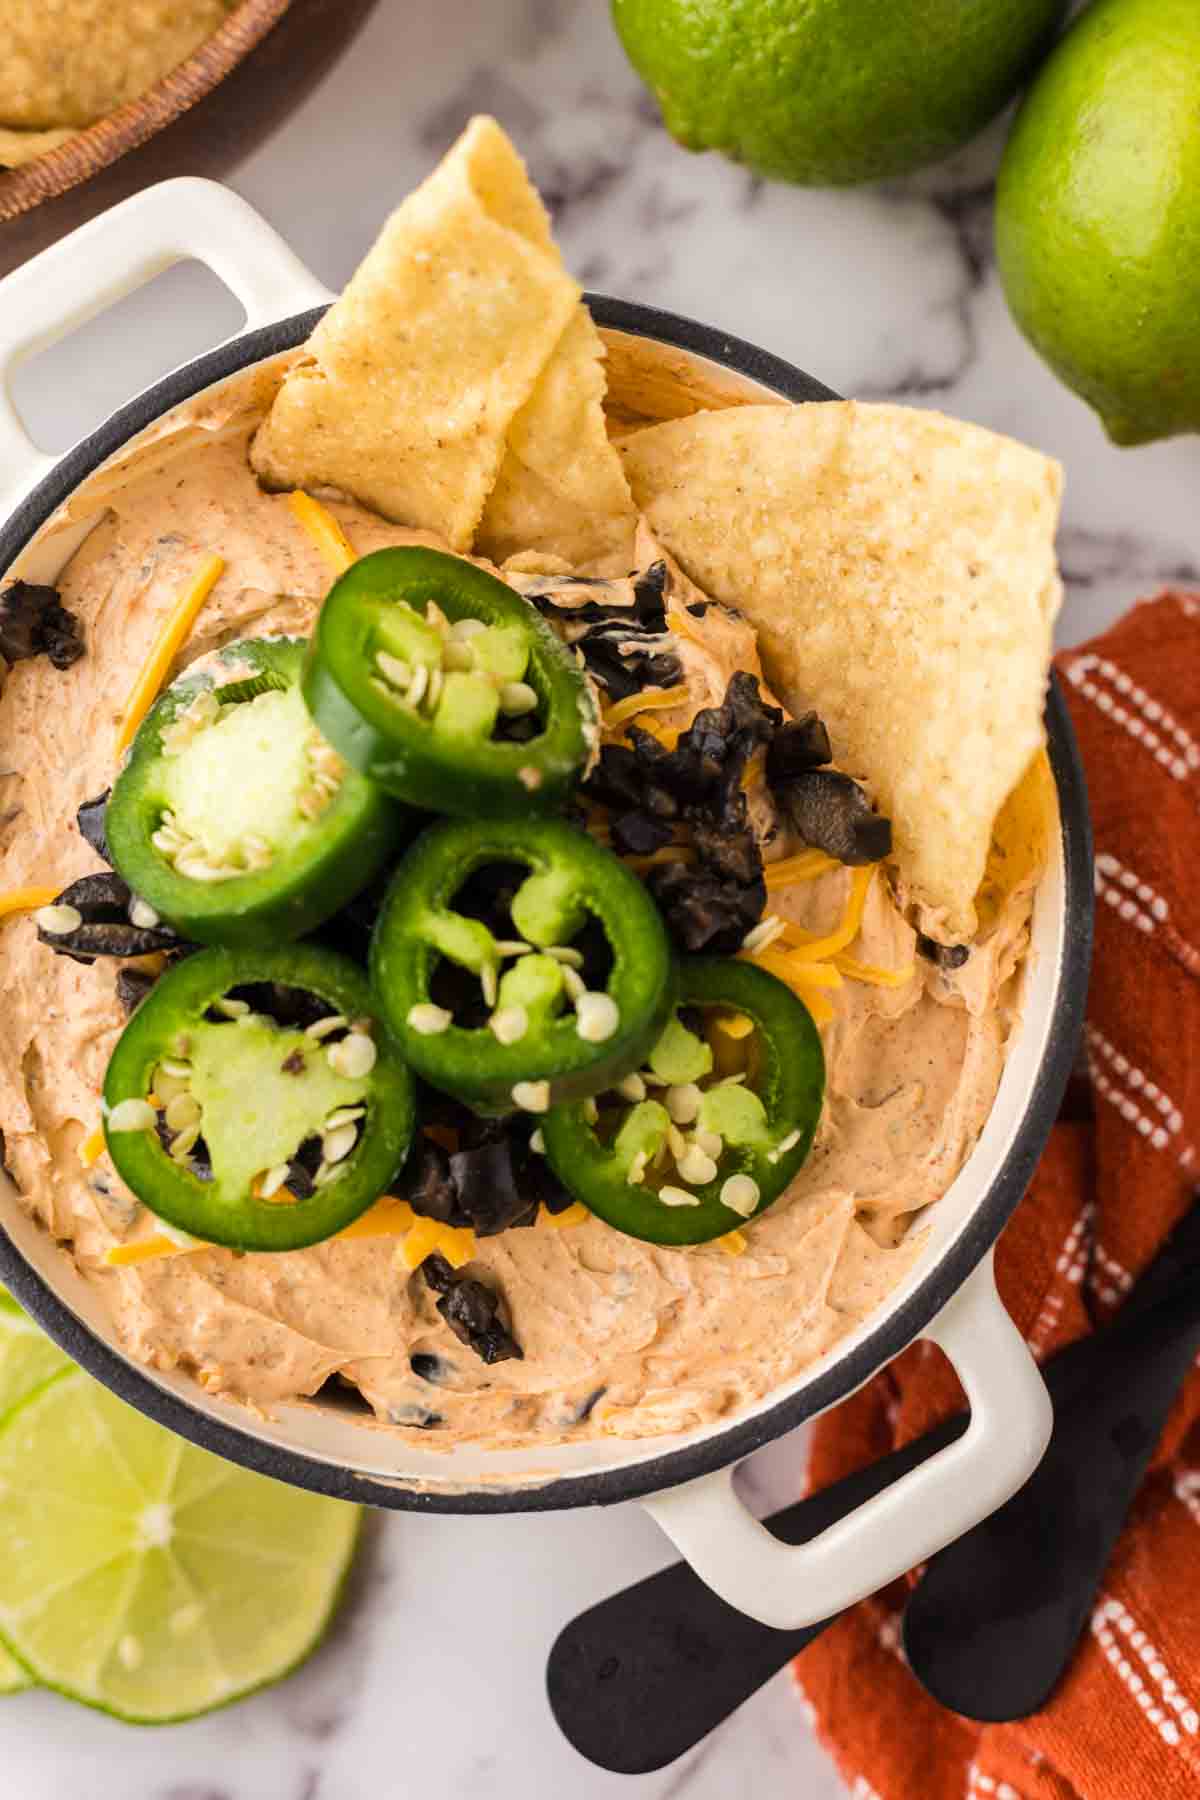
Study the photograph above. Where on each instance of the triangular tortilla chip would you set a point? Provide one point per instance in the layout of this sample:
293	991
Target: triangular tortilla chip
433	348
561	488
899	567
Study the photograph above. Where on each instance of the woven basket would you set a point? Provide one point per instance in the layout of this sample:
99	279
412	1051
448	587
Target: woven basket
99	145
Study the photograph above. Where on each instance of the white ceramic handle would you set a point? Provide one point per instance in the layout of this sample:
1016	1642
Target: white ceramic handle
788	1586
107	258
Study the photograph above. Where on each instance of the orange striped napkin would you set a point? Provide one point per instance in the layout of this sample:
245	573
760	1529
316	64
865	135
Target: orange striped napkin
1119	1172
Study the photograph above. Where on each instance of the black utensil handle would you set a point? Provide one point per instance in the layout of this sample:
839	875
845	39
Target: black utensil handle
994	1624
646	1674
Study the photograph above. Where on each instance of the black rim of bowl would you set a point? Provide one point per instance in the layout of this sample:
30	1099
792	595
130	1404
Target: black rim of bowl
846	1372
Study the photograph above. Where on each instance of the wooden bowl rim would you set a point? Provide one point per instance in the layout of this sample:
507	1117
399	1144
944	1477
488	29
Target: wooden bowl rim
96	146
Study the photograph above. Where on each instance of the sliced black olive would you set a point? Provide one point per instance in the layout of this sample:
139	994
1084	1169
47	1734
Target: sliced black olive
132	987
543	1185
588	1405
618	628
33	622
472	1311
704	913
712	905
636	599
487	1189
618	780
638	834
427	1183
105	928
626	660
417	1418
90	821
578	599
651	584
796	747
492	1182
946	956
428	1367
831	812
727	849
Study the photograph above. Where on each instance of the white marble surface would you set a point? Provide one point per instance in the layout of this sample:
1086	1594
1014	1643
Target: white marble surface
884	292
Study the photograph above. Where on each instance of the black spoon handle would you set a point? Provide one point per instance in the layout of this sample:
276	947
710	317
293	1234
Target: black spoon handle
645	1675
642	1676
994	1623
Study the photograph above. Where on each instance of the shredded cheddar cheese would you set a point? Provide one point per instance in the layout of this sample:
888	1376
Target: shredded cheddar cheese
456	1244
650	700
818	975
808	948
680	623
733	1243
734	1025
805	866
166	647
388	1217
872	973
323	529
92	1148
819	1007
667	735
806	979
127	1256
26	899
575	1214
669	853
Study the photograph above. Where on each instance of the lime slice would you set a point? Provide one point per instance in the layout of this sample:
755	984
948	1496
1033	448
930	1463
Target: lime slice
148	1578
27	1359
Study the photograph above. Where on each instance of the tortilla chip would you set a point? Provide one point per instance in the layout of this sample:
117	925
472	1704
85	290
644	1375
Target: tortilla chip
899	567
72	62
20	147
561	489
433	348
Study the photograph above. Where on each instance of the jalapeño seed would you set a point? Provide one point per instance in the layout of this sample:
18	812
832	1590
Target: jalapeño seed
673	1196
58	921
354	1057
695	1166
321	1028
429	1020
132	1115
683	1102
272	1181
510	1024
740	1194
598	1017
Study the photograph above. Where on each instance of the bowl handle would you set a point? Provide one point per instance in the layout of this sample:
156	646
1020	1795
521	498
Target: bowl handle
925	1510
72	281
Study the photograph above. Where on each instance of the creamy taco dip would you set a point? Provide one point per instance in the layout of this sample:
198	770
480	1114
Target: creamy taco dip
513	899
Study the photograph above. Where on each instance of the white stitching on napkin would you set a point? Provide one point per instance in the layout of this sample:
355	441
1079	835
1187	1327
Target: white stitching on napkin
1148	722
1127	1080
1139	904
1111	1618
1070	1267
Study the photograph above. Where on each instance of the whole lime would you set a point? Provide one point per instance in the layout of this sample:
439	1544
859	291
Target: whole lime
830	92
1098	215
